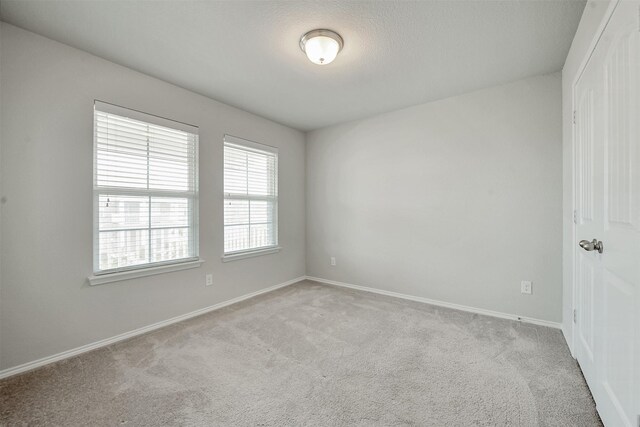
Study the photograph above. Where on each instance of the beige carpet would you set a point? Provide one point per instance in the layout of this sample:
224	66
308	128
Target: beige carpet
313	354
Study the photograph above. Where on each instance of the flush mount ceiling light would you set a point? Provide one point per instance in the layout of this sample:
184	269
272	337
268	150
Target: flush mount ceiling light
321	46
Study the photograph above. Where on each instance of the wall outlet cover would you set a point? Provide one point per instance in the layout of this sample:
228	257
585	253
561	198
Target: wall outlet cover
526	287
209	280
333	261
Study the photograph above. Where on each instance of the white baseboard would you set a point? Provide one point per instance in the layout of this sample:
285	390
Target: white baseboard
108	341
121	337
441	303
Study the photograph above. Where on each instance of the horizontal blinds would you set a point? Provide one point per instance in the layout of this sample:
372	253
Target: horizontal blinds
146	189
250	187
135	155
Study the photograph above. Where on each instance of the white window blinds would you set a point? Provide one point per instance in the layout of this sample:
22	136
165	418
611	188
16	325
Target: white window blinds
145	190
250	196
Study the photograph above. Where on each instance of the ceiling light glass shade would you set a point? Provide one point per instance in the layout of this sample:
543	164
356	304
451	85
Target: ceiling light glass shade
321	46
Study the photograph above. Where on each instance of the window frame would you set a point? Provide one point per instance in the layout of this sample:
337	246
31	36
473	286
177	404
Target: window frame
230	140
150	268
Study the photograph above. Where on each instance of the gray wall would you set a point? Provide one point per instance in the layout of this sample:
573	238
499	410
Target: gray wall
46	172
456	200
583	41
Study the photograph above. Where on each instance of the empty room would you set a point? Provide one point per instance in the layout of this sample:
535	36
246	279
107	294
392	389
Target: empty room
320	213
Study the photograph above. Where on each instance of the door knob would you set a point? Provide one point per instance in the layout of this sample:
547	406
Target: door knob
594	245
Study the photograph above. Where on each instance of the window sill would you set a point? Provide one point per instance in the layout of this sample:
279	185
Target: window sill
132	274
250	254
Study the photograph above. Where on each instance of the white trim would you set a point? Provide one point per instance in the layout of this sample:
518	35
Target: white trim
108	341
250	253
141	272
467	308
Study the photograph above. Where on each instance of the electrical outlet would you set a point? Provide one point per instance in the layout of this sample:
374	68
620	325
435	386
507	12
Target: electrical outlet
525	287
209	280
333	261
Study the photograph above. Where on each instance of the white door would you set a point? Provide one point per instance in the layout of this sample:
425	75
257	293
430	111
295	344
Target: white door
589	215
607	160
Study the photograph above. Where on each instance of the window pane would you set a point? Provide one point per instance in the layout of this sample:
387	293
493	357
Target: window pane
118	169
170	212
261	235
236	212
119	249
121	152
249	172
170	164
236	238
261	175
235	171
261	211
248	224
169	244
118	212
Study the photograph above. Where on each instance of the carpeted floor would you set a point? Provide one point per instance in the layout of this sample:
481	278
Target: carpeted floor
313	354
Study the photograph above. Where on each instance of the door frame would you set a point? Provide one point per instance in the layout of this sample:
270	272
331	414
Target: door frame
574	83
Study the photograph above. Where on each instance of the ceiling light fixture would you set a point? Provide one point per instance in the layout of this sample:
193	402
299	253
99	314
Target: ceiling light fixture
321	46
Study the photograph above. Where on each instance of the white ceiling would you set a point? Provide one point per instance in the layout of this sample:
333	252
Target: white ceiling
246	54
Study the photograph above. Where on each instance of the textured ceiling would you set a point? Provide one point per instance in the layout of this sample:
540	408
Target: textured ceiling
246	54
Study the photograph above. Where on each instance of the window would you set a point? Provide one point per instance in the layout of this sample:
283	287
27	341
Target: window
250	197
145	190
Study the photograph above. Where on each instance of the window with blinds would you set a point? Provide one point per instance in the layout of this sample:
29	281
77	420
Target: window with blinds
250	196
145	190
